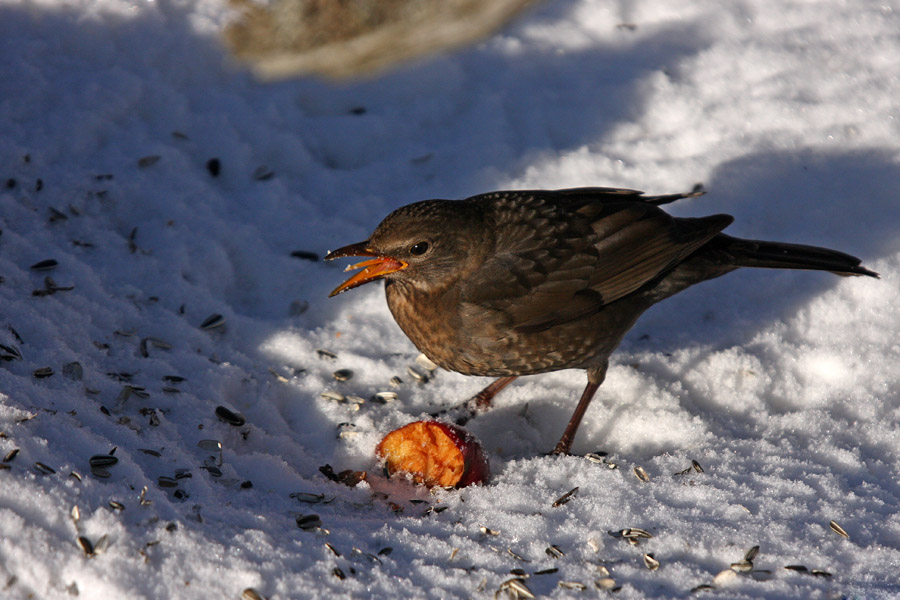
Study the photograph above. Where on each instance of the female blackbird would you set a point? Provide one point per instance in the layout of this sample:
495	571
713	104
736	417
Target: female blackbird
521	282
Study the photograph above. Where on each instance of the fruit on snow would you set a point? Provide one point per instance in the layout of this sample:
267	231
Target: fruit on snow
435	454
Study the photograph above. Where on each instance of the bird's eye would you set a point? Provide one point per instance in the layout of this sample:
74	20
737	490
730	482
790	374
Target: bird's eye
419	249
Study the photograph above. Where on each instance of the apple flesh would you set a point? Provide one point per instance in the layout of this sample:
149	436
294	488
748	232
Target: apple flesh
435	454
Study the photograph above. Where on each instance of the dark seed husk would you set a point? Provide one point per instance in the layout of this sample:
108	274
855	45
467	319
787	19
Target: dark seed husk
212	321
307	522
751	553
43	469
150	452
232	418
554	551
45	265
103	460
86	546
565	497
43	372
798	568
166	482
11	455
115	505
101	473
696	466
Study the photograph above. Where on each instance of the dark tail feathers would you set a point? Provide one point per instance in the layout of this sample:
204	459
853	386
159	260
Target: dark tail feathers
778	255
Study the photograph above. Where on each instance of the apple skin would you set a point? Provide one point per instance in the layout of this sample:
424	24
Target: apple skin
435	453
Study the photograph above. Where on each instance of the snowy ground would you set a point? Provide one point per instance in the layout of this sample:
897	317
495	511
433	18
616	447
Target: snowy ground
782	385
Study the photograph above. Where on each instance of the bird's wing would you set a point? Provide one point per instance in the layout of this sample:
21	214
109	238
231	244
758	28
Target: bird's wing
562	259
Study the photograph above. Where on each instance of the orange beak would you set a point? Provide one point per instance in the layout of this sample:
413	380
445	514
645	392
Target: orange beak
373	269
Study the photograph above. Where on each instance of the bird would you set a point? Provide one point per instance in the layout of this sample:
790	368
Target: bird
522	282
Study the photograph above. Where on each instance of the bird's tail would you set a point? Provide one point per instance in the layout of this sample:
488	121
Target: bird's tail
778	255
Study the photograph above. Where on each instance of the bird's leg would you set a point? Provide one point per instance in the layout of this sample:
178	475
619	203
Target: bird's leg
595	378
480	402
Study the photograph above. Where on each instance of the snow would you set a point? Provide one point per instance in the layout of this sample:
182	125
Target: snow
782	385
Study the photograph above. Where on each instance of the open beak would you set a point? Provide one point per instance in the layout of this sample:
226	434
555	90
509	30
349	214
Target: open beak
373	269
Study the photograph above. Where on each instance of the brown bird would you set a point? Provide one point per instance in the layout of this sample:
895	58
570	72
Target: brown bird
521	282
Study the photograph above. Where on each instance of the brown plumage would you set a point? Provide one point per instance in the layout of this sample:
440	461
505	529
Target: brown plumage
522	282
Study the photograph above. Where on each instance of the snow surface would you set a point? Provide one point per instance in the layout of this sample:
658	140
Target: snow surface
782	385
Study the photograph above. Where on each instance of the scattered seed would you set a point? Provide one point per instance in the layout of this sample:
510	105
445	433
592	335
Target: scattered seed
338	573
596	457
516	556
103	460
214	166
549	571
308	497
214	471
9	353
838	529
166	482
798	568
571	585
334	550
703	587
425	362
144	501
76	514
86	546
635	532
565	497
650	562
516	588
742	566
331	395
356	400
251	594
696	466
751	553
76	475
43	372
212	321
100	473
820	573
102	544
641	474
45	265
148	161
386	551
385	397
417	375
326	354
307	522
606	583
11	455
170	390
173	378
115	505
43	469
150	452
342	374
396	381
724	577
554	551
232	418
488	531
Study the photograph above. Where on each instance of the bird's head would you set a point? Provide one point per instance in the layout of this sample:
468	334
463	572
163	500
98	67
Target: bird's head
427	245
